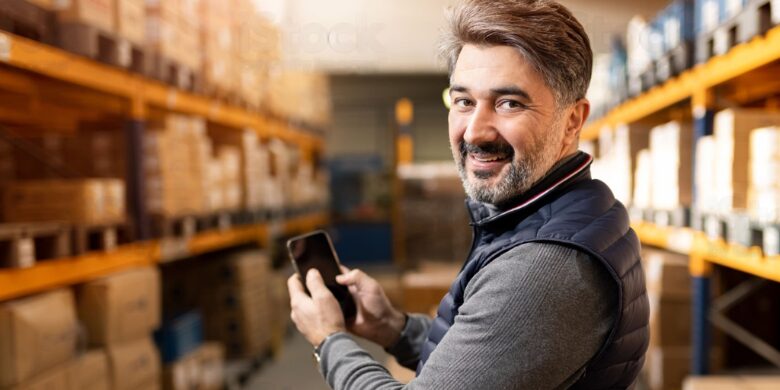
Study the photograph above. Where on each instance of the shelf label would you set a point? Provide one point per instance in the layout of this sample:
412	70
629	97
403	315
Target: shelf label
5	48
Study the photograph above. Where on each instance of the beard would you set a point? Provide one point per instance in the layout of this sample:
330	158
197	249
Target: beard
524	170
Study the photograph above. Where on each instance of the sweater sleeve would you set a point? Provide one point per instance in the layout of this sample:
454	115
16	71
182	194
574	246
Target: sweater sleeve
532	319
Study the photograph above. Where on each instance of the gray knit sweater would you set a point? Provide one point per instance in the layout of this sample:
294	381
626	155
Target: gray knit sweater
531	319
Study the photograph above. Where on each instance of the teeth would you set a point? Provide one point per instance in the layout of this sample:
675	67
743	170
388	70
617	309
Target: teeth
489	159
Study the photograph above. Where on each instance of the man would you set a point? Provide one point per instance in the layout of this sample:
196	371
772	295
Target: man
552	294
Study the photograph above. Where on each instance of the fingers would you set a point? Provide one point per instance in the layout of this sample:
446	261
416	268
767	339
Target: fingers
316	285
354	276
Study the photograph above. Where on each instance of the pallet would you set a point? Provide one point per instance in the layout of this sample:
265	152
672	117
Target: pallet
99	237
22	244
224	96
28	20
679	217
169	71
186	226
99	45
755	19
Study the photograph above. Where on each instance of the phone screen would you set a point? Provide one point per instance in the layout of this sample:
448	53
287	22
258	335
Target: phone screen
314	250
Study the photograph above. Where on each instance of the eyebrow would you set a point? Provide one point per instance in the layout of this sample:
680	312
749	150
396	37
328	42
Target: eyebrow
500	91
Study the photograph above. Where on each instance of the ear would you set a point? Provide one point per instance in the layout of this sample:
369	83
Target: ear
578	114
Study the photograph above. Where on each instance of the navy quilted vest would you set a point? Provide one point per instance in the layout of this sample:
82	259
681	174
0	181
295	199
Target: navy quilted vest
568	208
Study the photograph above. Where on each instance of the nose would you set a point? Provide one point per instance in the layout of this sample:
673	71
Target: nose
481	127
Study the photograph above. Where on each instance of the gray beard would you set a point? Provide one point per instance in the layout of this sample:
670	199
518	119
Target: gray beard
523	172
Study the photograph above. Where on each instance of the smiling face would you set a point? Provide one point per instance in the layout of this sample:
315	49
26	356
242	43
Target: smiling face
505	129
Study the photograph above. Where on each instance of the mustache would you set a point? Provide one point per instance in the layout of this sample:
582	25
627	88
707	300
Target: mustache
486	148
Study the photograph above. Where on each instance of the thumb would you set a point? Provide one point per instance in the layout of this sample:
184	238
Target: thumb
354	277
315	284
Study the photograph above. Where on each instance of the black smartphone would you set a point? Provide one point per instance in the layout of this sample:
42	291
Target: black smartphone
315	250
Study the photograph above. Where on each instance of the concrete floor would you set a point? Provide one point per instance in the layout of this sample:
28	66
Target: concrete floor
294	369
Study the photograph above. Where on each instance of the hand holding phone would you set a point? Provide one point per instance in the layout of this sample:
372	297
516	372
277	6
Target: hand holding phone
315	250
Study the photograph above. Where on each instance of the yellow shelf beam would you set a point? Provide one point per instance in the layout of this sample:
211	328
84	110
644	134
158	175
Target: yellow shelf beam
705	251
139	91
49	274
740	60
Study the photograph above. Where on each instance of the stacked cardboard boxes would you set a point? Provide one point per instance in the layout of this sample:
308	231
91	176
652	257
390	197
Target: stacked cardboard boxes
764	188
616	161
119	313
257	52
300	95
87	201
732	148
670	151
668	287
38	341
130	20
219	45
173	31
97	13
254	169
202	369
229	181
176	160
235	301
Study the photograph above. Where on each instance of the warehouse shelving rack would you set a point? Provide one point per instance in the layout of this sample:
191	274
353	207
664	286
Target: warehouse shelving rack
747	73
25	63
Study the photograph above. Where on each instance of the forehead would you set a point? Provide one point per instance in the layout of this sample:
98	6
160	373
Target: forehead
481	68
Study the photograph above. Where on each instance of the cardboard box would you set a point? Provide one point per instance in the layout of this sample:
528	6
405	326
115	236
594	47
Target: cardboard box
130	20
90	371
671	145
666	273
37	334
737	382
121	307
424	289
732	128
666	368
203	369
97	13
670	321
85	201
53	379
133	364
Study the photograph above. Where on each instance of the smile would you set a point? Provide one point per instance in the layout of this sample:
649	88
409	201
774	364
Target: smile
487	159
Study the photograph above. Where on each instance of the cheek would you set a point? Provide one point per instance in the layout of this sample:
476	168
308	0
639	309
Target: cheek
456	129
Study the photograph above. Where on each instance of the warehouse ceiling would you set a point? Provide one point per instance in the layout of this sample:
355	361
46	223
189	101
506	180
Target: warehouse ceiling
379	36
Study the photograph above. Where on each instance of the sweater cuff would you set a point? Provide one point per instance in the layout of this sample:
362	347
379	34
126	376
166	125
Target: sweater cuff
407	350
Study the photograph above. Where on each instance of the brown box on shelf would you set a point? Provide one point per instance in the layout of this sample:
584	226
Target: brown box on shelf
670	321
90	371
666	273
120	307
130	20
52	379
671	146
133	364
37	334
666	368
88	201
424	289
97	13
717	382
202	369
732	128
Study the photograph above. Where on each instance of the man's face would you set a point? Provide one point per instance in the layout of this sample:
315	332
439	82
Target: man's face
505	132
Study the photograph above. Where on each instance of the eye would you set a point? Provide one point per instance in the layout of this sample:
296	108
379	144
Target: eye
462	102
511	104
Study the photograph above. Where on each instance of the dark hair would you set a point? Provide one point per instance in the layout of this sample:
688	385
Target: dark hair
544	32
